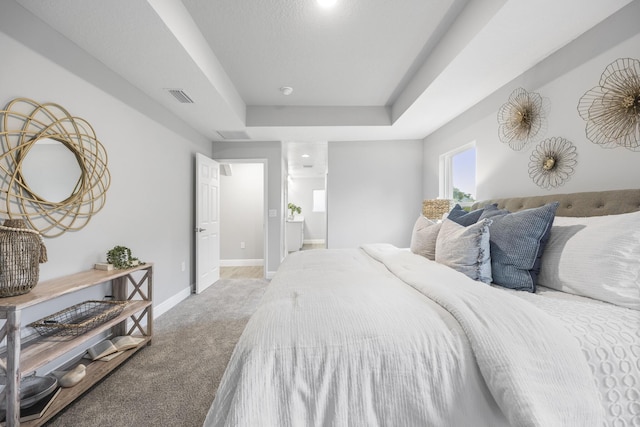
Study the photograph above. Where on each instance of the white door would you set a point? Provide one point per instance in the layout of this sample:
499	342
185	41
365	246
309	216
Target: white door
207	222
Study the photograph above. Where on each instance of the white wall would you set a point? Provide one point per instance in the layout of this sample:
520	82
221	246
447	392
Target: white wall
272	153
242	215
374	192
300	193
149	206
563	78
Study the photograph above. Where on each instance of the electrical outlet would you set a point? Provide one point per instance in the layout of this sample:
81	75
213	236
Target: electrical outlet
183	266
241	245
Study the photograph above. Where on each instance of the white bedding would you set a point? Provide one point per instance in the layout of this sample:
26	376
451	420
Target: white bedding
610	340
340	340
530	364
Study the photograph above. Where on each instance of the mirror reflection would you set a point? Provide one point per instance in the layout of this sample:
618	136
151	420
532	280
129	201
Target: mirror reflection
51	170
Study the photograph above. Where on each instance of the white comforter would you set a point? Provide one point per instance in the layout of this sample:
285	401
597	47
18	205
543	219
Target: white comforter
339	339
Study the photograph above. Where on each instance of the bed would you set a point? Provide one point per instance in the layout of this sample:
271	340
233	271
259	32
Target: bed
387	336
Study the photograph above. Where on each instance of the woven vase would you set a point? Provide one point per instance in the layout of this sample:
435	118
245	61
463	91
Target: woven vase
20	255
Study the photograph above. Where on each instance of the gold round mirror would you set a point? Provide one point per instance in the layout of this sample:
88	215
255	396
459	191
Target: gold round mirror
51	171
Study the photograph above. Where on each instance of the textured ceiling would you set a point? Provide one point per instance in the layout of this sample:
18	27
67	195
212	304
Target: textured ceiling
356	54
364	70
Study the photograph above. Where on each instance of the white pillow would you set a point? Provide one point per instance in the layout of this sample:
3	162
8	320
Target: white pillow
423	237
465	249
596	257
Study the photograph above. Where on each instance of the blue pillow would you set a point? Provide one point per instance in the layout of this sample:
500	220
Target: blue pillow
465	218
492	210
462	217
517	241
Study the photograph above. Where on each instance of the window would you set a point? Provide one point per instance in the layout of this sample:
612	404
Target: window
458	175
318	201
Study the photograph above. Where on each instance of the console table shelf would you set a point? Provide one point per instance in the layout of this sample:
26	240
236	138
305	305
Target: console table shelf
24	356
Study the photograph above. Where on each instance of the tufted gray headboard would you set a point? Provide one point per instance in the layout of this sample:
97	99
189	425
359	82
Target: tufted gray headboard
593	203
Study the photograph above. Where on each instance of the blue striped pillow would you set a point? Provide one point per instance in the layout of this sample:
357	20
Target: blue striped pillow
517	241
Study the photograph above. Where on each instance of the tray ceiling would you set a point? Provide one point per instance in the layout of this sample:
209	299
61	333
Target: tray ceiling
364	70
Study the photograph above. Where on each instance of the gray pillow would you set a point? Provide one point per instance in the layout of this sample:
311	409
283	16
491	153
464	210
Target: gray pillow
517	241
423	237
465	249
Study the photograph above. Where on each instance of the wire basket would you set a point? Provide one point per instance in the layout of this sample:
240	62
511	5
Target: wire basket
79	318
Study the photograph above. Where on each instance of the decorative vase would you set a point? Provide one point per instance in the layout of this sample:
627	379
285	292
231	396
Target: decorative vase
21	252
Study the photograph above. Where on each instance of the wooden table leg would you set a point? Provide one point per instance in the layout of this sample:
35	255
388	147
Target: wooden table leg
13	368
119	290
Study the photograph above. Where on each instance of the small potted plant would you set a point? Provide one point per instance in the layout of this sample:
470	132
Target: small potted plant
120	257
293	209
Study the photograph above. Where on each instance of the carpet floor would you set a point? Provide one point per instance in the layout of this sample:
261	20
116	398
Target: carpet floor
173	381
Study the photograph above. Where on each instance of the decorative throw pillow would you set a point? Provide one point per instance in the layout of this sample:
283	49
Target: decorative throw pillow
465	249
596	257
518	240
463	217
423	238
492	210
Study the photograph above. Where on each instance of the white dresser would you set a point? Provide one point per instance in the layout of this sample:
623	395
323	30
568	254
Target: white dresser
295	233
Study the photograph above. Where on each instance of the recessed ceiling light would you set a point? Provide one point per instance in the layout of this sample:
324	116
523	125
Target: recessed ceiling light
286	90
306	156
327	3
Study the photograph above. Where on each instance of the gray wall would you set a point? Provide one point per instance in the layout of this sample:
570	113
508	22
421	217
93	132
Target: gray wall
149	206
562	78
242	215
374	192
272	153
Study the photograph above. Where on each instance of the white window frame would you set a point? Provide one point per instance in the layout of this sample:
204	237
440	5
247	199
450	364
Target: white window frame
446	170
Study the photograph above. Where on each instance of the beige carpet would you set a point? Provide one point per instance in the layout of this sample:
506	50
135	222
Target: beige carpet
173	382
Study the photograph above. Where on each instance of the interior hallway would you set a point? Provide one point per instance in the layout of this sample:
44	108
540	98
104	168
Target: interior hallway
257	272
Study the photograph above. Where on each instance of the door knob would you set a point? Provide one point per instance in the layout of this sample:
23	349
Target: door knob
200	230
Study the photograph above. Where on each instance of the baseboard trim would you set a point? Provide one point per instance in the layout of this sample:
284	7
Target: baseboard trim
171	302
241	262
270	275
313	242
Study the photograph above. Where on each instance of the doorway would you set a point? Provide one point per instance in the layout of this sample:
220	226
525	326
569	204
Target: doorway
243	218
305	191
307	229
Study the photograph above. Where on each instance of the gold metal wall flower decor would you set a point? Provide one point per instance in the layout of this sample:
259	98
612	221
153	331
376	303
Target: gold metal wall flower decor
26	128
552	162
612	109
520	118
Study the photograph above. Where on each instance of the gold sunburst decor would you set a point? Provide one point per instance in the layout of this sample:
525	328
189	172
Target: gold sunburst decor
23	123
552	162
612	109
520	118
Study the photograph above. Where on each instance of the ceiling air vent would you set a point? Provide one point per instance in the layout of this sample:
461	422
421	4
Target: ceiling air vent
233	134
181	96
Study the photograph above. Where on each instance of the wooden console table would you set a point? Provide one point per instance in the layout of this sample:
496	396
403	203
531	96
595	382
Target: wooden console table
134	285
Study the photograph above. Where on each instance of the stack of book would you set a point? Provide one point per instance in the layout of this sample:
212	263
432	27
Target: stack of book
36	410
